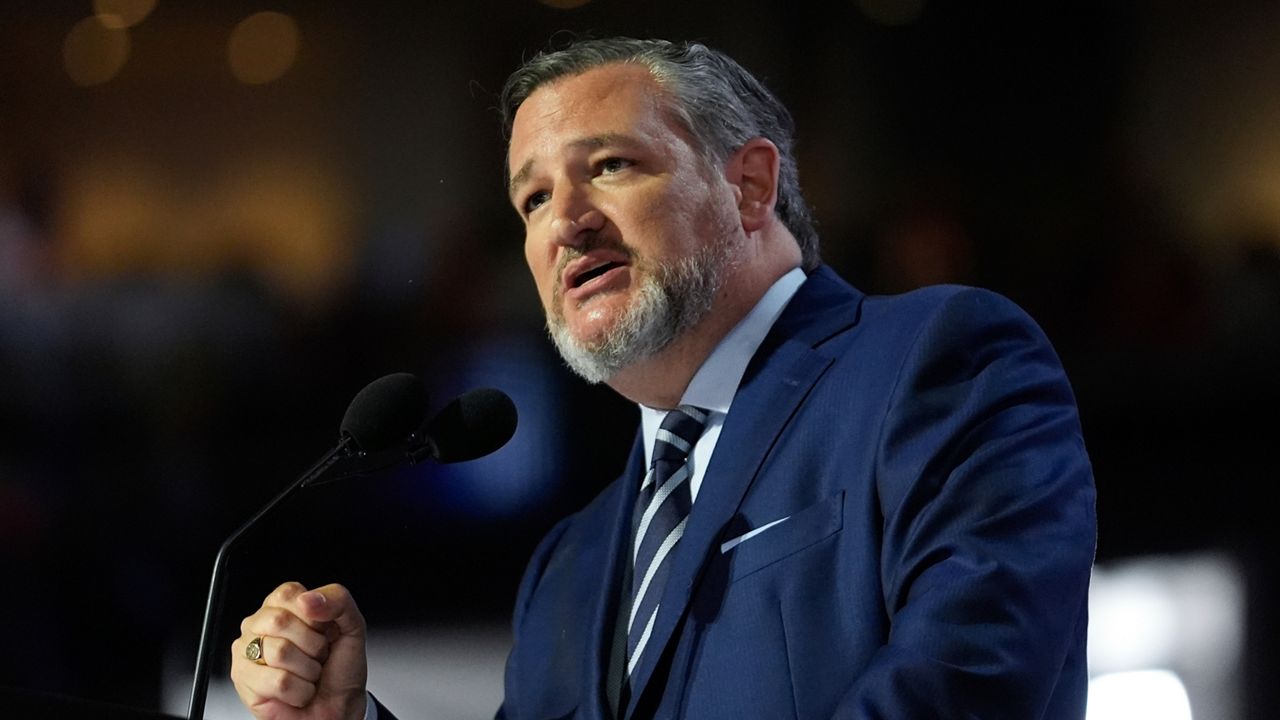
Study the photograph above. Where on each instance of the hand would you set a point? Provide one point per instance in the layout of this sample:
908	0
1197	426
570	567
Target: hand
313	643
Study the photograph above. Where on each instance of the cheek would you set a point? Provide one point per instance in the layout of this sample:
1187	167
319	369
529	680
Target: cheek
647	221
541	268
675	221
530	258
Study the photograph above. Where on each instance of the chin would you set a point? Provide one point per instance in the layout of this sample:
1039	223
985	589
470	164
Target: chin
593	340
594	327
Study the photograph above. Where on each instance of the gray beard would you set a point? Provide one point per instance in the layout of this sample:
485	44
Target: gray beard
668	302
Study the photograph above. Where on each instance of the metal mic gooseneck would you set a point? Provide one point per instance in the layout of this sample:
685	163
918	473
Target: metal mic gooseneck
385	413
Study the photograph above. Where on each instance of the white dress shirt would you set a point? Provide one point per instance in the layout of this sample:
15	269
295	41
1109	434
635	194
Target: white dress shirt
716	382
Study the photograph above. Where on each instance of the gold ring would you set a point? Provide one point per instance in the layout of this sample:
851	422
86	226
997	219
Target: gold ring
253	651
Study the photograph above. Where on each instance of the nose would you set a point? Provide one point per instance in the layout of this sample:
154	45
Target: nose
575	217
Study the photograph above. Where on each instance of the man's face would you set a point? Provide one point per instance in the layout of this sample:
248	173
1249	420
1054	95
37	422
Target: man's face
627	231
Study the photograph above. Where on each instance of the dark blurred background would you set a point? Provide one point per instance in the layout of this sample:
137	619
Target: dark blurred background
218	221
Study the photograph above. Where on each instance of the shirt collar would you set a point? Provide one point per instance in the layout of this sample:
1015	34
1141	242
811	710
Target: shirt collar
716	382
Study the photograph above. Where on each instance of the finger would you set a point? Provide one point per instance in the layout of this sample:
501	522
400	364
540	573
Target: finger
264	709
259	684
331	603
282	654
280	623
249	698
284	594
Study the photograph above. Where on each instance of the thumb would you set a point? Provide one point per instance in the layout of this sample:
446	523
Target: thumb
332	603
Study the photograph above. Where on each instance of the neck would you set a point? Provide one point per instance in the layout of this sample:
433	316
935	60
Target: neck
661	380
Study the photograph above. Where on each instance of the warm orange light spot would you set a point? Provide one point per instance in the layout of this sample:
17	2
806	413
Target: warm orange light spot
93	53
123	13
286	218
263	47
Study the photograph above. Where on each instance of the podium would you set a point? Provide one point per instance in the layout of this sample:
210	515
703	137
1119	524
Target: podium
29	704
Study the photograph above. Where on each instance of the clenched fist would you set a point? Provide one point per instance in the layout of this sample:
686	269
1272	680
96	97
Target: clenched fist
312	664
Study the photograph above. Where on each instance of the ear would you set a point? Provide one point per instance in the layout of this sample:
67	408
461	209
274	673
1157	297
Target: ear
753	172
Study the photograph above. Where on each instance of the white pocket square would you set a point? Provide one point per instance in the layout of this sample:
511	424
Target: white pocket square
728	545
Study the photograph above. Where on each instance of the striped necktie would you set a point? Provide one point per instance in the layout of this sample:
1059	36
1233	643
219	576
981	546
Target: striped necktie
661	513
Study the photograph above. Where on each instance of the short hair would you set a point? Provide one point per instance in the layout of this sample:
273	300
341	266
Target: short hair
718	101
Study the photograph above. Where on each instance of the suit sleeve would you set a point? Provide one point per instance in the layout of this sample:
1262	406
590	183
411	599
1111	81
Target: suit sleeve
989	527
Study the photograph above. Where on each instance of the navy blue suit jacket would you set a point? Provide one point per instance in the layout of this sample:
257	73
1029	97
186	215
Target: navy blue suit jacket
935	562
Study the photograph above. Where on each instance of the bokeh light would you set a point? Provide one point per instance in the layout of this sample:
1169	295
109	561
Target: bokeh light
263	47
1138	695
123	13
93	52
1165	632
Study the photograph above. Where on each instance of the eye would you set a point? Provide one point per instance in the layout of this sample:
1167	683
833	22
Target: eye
535	200
609	166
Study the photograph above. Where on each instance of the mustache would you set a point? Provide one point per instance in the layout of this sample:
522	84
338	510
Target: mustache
593	241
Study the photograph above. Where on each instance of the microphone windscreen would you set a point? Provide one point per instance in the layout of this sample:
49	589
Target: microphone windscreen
386	412
472	425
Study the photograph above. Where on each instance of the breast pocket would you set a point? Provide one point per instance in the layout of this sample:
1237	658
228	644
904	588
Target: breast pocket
788	537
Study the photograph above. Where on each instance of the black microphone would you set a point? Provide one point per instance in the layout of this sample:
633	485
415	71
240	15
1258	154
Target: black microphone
382	428
383	419
385	413
471	426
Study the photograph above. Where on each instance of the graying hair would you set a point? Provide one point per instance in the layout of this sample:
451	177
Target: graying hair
717	100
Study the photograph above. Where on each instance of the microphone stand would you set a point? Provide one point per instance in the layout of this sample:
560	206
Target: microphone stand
487	414
217	585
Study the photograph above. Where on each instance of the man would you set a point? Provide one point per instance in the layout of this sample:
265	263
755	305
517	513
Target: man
838	505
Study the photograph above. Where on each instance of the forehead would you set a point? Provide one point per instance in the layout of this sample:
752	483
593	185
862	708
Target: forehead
621	99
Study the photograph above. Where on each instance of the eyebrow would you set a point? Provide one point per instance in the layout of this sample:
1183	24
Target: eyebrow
593	142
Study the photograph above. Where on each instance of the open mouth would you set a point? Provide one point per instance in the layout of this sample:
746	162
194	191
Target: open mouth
588	275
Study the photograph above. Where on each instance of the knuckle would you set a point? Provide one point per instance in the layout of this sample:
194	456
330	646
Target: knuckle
278	619
286	591
283	652
283	683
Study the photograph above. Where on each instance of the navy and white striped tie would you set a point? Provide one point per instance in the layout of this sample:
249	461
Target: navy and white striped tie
661	513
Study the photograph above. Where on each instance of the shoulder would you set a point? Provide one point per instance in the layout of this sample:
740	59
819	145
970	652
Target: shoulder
968	306
828	307
948	320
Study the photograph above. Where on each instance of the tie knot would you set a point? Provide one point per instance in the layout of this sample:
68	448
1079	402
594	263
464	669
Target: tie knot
679	431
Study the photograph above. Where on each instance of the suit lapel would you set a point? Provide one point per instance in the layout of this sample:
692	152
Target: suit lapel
780	375
604	616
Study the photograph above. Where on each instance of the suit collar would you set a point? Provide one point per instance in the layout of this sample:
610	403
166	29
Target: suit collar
715	384
824	306
779	377
604	616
